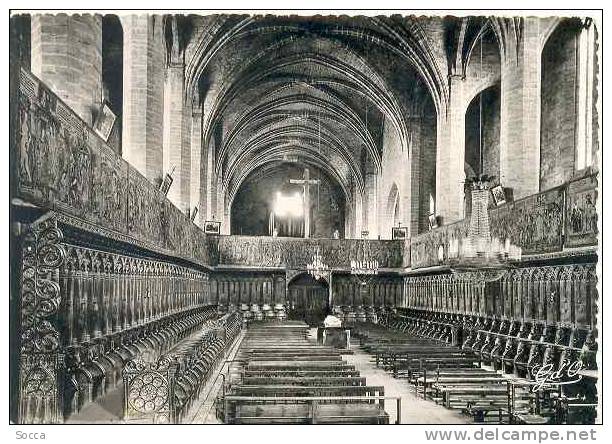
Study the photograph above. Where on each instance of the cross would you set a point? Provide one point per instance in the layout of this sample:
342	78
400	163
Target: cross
306	182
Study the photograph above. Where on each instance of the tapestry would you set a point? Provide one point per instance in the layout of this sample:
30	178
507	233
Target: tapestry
534	223
64	166
581	222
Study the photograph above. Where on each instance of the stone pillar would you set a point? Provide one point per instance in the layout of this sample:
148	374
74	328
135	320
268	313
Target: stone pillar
520	113
411	199
208	199
586	80
144	62
177	136
177	125
450	156
197	165
222	212
358	213
370	213
67	57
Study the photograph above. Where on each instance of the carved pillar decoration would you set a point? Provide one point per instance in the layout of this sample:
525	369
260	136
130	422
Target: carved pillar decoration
482	297
70	289
41	360
528	294
566	287
118	296
593	296
552	294
517	294
540	293
97	295
107	267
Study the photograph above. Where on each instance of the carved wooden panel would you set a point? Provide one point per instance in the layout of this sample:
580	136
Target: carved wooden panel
552	294
64	166
534	223
41	359
581	221
424	248
295	253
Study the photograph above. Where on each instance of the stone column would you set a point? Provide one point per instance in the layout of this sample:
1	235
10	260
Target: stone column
358	213
177	136
144	62
450	156
370	212
208	196
177	125
67	57
411	200
520	112
197	165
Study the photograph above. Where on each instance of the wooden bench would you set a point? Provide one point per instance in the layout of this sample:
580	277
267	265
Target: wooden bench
286	379
306	410
297	390
302	365
296	358
462	396
299	373
305	381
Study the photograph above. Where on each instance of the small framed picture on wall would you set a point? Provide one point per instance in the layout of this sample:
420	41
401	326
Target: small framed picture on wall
433	221
399	233
499	195
105	121
212	227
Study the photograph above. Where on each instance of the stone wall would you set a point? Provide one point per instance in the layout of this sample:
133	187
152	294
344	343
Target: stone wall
67	56
559	90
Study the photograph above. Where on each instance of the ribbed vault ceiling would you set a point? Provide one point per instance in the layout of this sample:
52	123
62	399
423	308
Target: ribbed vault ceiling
317	90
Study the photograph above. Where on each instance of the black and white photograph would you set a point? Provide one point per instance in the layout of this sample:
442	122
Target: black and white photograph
300	220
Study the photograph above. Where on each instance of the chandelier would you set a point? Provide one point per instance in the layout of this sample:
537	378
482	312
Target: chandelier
480	256
364	267
317	268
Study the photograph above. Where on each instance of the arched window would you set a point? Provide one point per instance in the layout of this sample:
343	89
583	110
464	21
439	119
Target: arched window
482	129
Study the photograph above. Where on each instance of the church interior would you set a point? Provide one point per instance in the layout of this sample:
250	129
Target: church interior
288	219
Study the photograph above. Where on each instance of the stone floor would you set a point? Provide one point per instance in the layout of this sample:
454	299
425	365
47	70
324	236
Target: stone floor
106	410
415	410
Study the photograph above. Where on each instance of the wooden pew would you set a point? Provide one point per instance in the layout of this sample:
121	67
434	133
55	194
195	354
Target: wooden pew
285	379
296	391
299	373
304	410
299	365
312	381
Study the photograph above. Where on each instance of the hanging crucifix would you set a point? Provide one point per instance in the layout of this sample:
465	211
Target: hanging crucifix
306	182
